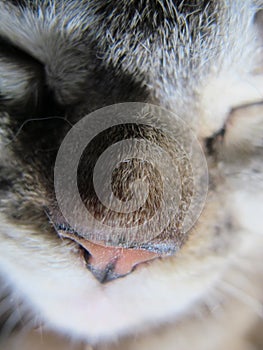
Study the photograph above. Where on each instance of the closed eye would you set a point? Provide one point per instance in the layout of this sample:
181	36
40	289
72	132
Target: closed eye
243	125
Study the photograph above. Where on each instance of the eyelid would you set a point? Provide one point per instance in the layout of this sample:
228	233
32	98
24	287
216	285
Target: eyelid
244	127
240	128
210	142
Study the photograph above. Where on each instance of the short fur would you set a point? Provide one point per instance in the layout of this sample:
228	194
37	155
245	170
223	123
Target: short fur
60	60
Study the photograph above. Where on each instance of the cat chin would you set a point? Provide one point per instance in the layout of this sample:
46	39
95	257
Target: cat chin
59	289
57	286
133	303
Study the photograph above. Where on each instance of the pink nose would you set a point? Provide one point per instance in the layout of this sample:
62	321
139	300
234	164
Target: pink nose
108	263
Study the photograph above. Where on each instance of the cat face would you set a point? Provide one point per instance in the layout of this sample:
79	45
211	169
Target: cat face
62	61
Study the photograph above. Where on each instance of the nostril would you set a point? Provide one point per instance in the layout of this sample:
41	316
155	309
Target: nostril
107	263
86	255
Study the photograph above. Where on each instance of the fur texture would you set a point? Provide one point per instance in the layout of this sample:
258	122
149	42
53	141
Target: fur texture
60	60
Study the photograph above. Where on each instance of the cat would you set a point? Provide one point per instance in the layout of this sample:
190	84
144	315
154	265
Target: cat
190	67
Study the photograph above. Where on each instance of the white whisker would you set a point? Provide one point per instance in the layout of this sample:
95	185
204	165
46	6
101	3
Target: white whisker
242	296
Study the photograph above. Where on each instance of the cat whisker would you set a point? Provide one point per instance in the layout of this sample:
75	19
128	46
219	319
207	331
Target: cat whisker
32	120
242	296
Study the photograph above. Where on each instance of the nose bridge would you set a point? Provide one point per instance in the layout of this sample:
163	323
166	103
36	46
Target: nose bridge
127	179
120	149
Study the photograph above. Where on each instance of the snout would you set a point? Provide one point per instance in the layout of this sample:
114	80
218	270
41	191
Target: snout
126	187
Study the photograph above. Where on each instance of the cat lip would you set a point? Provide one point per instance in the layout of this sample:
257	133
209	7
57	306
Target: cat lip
108	263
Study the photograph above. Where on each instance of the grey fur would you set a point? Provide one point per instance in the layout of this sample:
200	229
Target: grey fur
60	60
